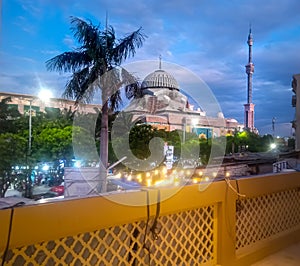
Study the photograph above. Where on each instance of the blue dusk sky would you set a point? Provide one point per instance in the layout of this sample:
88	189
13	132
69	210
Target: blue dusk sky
208	37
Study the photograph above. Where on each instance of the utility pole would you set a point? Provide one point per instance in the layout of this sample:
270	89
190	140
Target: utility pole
273	125
30	127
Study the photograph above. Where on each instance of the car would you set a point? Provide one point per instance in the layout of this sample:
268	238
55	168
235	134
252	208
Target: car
59	190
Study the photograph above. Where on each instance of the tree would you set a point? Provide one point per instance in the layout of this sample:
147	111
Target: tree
7	116
12	152
53	143
93	66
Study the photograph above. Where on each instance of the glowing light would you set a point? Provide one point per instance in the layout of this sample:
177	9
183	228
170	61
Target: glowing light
273	146
176	183
149	182
195	180
119	175
156	172
206	179
158	182
200	173
77	163
164	170
227	174
139	177
46	167
129	177
45	95
188	172
148	174
214	174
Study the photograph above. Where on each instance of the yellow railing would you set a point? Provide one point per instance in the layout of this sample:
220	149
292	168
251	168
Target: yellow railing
234	223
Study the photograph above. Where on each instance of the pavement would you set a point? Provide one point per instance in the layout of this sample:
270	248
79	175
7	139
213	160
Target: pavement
289	256
37	190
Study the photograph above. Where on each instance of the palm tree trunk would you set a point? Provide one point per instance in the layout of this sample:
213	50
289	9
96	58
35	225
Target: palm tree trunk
103	148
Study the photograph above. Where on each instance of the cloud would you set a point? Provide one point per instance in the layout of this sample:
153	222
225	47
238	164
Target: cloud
69	41
206	37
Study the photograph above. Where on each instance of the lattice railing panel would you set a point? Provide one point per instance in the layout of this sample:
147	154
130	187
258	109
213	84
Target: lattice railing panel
265	216
185	238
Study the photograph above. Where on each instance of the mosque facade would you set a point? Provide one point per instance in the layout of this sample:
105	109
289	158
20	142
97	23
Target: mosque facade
164	106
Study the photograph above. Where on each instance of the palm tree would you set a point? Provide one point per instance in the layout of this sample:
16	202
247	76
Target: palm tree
94	66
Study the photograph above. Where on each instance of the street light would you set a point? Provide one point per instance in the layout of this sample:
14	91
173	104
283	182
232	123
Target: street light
273	146
29	137
44	95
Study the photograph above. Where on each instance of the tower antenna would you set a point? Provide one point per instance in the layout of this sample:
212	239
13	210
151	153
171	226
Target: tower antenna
159	66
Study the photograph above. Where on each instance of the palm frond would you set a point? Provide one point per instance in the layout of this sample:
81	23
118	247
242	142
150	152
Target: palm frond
115	100
68	62
127	46
86	33
93	64
132	85
81	87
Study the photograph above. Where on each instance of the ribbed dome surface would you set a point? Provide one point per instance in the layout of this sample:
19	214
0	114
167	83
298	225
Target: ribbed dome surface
160	79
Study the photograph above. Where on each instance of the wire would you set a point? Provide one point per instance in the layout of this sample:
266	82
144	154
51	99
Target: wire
8	237
21	203
233	189
146	227
154	228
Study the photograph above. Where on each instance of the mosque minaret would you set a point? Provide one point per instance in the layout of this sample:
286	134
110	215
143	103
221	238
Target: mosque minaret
249	106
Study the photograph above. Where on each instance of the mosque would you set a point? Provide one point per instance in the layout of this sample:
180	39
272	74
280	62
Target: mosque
164	106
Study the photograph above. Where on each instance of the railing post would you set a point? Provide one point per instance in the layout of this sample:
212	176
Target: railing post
227	228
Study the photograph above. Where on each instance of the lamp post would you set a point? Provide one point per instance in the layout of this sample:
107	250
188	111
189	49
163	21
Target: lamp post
28	188
44	95
30	125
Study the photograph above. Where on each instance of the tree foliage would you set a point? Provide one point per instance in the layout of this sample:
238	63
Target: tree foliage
7	116
12	152
93	67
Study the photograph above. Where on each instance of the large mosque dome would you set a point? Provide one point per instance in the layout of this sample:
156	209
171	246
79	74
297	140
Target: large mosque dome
160	79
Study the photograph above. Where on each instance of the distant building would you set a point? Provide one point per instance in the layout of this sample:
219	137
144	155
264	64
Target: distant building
22	102
163	106
296	104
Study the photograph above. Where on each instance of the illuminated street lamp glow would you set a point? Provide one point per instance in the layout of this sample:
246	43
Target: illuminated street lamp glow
149	182
273	146
45	95
45	167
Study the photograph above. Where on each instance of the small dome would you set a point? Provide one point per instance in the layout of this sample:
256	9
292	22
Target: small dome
160	79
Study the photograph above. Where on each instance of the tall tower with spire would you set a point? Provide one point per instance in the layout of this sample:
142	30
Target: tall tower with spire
249	106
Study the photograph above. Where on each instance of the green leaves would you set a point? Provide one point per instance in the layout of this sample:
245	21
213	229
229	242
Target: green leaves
53	143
